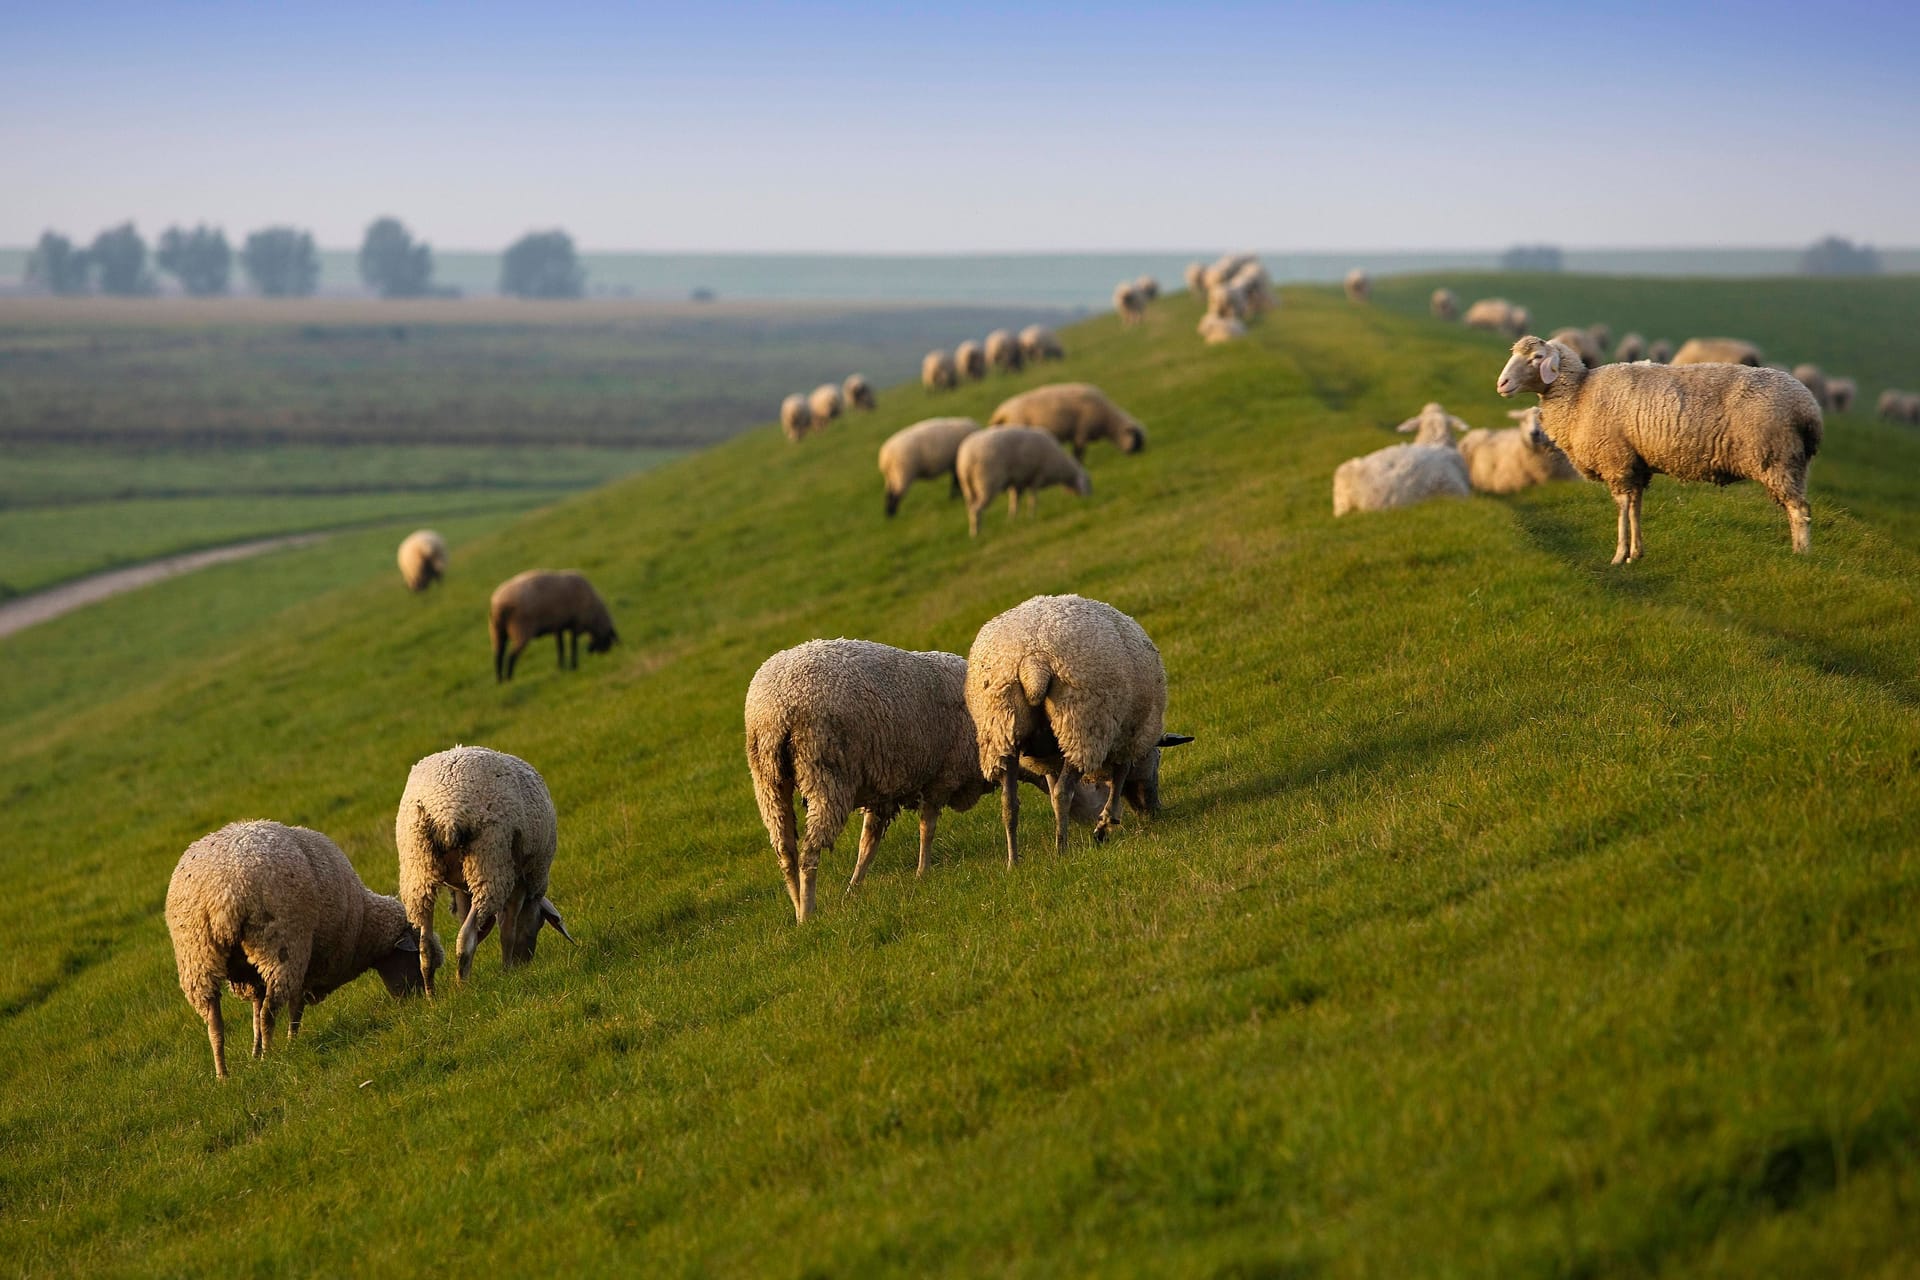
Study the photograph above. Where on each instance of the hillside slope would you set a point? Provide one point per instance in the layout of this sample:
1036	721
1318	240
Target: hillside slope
1512	913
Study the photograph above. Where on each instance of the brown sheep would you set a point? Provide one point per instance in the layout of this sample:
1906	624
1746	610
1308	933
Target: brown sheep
542	603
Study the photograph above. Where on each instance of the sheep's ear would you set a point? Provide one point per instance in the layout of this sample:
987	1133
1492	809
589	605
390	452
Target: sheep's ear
1549	362
409	941
550	915
1175	739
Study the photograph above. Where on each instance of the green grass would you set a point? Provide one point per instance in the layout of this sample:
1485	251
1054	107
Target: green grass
1513	914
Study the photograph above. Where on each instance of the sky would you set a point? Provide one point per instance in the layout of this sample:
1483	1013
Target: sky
890	128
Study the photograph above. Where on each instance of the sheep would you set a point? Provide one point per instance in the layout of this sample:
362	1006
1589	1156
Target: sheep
938	372
1013	460
970	358
1499	315
1591	354
1227	302
1632	347
423	559
852	724
922	451
1255	289
1660	351
1811	377
1444	305
1148	288
1076	686
858	392
541	603
278	914
1218	329
1840	394
1399	476
1624	423
1195	276
1514	459
1037	343
1601	334
1898	406
1716	351
481	823
1003	352
1077	413
1128	304
1359	285
826	404
1433	425
1226	267
796	418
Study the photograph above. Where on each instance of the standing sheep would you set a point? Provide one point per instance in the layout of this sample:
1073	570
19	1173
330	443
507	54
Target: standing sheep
1076	686
1148	288
1255	289
1037	343
278	914
1003	352
1227	302
1013	461
481	823
1660	351
1515	459
1601	335
1625	423
971	359
851	724
858	392
923	451
1716	351
1226	267
1591	353
1444	305
1632	347
1813	379
1399	476
938	372
1359	286
1127	304
543	603
1196	278
796	419
1840	393
1076	413
423	559
825	403
1898	406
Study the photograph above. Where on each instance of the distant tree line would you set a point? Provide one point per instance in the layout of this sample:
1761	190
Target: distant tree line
282	262
1835	256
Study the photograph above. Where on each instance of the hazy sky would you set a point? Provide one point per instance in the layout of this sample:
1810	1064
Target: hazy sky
880	127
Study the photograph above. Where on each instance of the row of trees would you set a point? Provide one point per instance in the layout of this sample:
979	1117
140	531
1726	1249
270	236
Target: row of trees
281	262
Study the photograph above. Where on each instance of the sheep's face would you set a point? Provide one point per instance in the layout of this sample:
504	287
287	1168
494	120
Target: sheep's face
601	641
399	968
1083	483
528	921
1534	366
1142	791
1133	438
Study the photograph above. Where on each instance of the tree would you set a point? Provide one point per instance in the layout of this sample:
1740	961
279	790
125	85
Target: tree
281	262
393	263
200	259
541	264
1532	257
119	260
56	266
1835	256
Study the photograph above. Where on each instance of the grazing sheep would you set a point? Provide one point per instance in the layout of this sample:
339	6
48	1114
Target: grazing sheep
1076	686
1128	304
1625	423
1399	476
1255	289
542	603
1013	460
1226	267
1498	315
1660	351
1601	335
481	823
1037	343
1716	351
1813	379
1227	302
1592	355
1148	288
938	372
796	419
1433	425
278	914
851	724
1841	393
1218	329
1632	347
1077	413
1003	352
423	559
1359	286
1899	406
826	404
1196	278
922	451
1514	459
858	392
1444	305
970	358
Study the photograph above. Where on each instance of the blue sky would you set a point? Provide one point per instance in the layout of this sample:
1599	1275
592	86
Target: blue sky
892	128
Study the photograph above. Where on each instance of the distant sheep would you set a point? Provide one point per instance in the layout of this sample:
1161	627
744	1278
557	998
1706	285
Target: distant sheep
1444	305
1432	425
1716	351
1841	393
937	371
1359	286
1591	353
1226	267
1399	476
924	451
1632	347
1255	288
1498	315
1037	343
1075	413
970	358
1227	302
1013	461
1814	379
1899	406
1195	276
858	392
1514	459
1624	423
1148	288
1003	352
826	404
796	419
1601	335
1660	351
543	603
423	559
1128	304
1217	329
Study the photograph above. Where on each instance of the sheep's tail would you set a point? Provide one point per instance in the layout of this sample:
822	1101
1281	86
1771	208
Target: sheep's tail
770	760
1812	432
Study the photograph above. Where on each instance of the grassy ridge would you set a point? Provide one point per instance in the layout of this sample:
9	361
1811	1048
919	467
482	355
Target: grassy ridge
1512	913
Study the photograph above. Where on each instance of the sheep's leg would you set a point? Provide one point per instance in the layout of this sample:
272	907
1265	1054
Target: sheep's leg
786	845
288	985
560	647
872	827
459	902
1013	503
1063	789
207	1004
1010	805
576	651
953	491
513	656
929	815
825	817
1633	524
973	518
1110	815
262	1022
1790	492
420	904
1621	498
478	924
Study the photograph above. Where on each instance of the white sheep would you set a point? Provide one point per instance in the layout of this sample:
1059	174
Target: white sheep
1632	347
1147	287
1003	352
1255	290
858	392
481	823
1444	305
796	419
970	358
1399	476
1625	423
1128	304
1898	406
1591	353
923	451
826	404
1814	379
1226	267
278	914
1196	277
1076	413
1432	425
1227	302
1013	461
1359	285
423	559
1841	393
937	371
1514	459
1217	329
1076	686
1716	351
1037	343
851	724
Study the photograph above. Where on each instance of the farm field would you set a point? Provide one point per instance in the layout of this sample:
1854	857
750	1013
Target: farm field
1512	913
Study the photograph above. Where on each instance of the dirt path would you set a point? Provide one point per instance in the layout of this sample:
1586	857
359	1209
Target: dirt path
42	606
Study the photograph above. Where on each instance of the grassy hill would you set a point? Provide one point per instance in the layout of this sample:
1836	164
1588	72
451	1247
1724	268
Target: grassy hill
1512	913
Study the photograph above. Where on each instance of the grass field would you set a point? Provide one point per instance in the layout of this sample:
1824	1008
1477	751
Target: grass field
1512	914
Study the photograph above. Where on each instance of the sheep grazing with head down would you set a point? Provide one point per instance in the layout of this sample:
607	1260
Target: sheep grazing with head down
1444	305
858	392
970	358
1076	686
1716	351
850	724
937	371
1814	379
1898	406
1037	343
1147	287
1632	347
796	418
1075	413
1359	286
1226	267
544	603
1660	351
1840	394
1432	425
826	404
1625	423
1003	352
1255	289
1514	459
1128	304
1227	302
423	559
1196	277
924	451
1013	461
481	823
278	914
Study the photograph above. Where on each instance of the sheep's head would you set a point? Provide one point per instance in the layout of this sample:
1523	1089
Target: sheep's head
1133	437
603	639
1082	482
399	968
1143	780
527	923
1534	366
